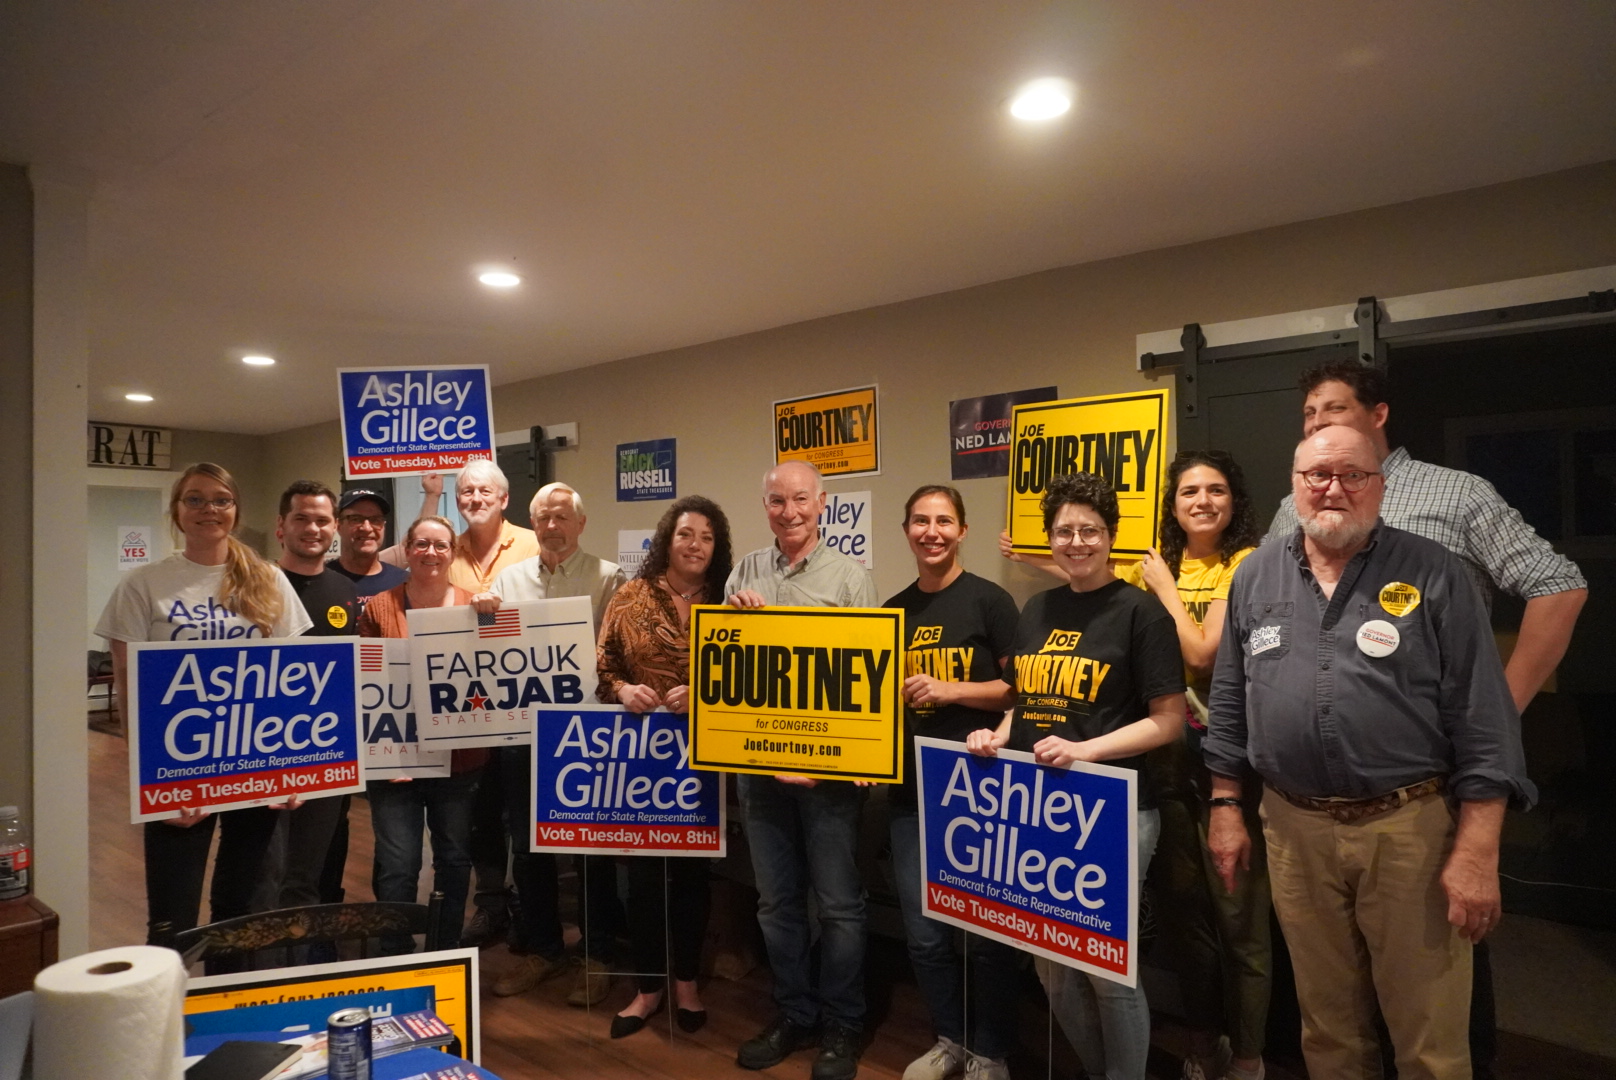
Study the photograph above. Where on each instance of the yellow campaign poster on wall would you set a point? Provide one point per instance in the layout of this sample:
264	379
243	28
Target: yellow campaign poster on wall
812	691
1122	437
837	433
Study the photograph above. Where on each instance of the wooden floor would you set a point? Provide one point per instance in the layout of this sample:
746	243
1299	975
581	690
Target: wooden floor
538	1037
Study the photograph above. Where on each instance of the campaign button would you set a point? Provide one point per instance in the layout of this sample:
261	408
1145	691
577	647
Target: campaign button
1378	638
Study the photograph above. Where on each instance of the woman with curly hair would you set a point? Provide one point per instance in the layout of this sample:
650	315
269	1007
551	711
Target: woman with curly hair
643	660
1218	940
1131	704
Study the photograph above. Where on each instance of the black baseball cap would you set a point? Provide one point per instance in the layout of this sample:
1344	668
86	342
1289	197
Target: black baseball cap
353	495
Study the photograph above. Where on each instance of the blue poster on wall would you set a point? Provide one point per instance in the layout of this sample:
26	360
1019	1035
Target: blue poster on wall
406	421
646	470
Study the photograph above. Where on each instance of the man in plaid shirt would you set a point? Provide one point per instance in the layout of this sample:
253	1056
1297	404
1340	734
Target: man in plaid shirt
1465	514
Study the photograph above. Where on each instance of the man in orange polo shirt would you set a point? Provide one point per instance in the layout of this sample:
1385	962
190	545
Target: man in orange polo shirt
490	543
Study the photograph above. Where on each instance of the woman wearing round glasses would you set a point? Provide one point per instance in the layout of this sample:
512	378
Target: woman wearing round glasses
1130	702
398	808
214	588
1218	939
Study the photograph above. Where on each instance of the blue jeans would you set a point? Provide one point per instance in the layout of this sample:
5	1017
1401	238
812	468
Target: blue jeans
802	839
1107	1023
397	813
938	968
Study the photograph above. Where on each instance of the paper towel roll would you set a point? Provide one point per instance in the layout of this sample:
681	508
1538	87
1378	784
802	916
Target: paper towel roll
116	1014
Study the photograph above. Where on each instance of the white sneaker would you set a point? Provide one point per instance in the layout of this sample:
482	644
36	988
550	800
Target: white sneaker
1234	1073
945	1059
1212	1068
978	1067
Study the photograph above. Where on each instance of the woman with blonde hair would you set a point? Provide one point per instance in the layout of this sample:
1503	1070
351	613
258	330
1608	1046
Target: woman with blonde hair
214	588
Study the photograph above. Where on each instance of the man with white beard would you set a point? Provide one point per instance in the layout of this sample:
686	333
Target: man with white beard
1358	678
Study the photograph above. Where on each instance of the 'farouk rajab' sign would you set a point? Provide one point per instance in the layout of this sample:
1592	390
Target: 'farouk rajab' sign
1121	437
1041	858
813	691
479	680
225	724
393	748
610	782
405	421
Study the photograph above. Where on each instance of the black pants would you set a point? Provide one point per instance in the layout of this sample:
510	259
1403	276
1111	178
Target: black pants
336	858
309	830
538	887
490	840
177	861
667	907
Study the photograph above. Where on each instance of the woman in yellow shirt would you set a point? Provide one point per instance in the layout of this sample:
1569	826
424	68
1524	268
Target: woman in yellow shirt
1218	941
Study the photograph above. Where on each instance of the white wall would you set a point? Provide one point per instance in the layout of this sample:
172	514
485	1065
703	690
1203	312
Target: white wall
112	508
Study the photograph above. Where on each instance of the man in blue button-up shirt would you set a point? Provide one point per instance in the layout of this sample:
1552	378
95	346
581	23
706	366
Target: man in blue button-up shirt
1358	678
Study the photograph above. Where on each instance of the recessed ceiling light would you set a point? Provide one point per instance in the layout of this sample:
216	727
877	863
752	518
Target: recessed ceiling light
137	397
258	361
499	279
1043	99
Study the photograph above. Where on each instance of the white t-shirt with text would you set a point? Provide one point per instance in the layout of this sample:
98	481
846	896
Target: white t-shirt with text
178	600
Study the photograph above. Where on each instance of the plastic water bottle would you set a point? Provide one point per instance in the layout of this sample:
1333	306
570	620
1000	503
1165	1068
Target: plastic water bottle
15	855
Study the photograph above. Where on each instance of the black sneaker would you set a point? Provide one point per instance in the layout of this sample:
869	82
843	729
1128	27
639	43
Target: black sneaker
838	1054
771	1046
486	928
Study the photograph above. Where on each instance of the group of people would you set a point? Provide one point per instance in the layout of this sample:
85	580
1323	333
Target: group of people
1319	722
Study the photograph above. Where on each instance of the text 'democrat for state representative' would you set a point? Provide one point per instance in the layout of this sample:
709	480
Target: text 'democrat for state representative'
808	691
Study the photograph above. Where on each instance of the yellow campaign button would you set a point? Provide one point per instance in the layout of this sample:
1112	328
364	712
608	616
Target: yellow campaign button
1399	598
337	616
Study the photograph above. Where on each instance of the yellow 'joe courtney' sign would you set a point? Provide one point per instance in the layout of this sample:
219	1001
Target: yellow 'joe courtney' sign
1122	437
812	691
836	433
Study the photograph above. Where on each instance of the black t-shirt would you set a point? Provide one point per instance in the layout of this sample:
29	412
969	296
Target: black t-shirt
330	600
1086	664
368	585
957	634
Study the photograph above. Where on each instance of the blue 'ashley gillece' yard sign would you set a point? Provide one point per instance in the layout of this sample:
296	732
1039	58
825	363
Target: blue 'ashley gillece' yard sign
1041	858
610	782
224	724
404	421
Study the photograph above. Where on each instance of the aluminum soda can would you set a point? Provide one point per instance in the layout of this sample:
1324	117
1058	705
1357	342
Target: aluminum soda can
347	1041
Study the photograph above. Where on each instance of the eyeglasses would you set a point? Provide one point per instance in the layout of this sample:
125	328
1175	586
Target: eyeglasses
197	502
1318	480
354	520
1088	535
442	547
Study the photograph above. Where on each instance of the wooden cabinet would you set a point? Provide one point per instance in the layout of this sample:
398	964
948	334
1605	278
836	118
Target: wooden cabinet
27	942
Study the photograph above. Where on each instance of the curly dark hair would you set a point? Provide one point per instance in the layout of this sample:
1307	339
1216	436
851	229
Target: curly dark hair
656	560
1368	383
1081	489
1242	531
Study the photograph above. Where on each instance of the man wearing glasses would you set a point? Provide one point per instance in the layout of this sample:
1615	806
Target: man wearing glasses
362	526
1466	515
1358	677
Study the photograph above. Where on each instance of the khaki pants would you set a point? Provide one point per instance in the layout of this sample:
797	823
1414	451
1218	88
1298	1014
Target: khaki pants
1365	917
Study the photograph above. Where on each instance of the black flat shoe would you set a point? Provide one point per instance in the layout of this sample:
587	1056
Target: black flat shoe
690	1020
624	1026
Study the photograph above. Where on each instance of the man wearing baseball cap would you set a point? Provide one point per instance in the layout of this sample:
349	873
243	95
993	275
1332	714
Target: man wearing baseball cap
362	526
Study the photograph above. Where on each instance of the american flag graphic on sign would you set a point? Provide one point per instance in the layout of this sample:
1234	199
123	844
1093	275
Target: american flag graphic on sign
371	657
504	623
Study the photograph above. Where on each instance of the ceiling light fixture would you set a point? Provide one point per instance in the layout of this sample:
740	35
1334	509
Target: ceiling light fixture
1043	99
137	397
258	361
499	279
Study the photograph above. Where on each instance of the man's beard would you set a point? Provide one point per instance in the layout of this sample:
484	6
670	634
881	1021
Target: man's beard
1342	532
